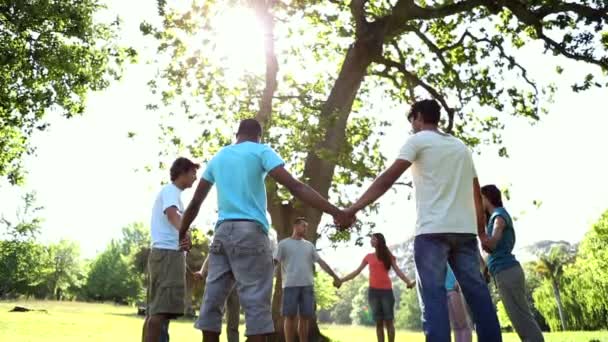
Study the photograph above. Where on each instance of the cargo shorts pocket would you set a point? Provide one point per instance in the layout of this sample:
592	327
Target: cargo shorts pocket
216	247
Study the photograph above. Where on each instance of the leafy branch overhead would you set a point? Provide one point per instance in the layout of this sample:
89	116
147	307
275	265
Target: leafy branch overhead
338	64
53	54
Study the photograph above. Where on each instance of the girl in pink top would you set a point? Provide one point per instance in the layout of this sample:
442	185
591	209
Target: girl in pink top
380	294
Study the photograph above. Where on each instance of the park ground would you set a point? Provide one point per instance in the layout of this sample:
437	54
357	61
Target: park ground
74	321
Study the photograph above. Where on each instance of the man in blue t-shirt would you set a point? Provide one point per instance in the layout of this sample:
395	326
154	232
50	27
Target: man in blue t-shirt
240	254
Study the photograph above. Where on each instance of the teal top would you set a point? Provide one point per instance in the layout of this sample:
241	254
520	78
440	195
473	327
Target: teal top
239	171
502	257
450	280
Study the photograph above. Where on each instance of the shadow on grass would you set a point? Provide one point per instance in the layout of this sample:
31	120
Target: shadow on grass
135	315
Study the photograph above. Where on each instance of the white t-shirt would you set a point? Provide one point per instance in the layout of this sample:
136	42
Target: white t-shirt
443	172
164	235
272	236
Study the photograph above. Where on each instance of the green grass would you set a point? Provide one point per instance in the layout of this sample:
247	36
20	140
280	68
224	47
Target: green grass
71	322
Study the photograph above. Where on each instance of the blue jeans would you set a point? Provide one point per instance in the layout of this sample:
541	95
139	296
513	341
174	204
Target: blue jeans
382	303
431	252
298	300
164	332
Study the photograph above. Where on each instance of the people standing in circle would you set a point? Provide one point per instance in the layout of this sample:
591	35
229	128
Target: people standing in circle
380	295
240	254
456	307
504	268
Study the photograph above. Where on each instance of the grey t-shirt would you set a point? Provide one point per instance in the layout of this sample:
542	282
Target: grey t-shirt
297	258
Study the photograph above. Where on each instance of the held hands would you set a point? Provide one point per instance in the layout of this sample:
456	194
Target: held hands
345	218
485	243
199	275
185	244
410	284
337	282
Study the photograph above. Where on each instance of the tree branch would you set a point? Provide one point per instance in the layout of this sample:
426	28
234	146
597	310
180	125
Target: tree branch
593	14
262	10
439	53
357	9
411	77
561	49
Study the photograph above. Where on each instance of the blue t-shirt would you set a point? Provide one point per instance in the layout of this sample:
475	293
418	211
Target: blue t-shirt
239	172
450	280
502	257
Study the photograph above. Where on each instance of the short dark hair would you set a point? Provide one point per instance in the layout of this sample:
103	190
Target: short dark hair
250	128
492	193
300	220
181	166
428	109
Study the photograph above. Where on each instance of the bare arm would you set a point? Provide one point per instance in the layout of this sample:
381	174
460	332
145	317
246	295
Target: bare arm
302	191
197	200
481	229
401	275
355	272
328	269
205	266
174	217
381	185
497	232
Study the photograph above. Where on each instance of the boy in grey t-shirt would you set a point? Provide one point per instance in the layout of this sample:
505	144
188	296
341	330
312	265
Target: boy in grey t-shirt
297	257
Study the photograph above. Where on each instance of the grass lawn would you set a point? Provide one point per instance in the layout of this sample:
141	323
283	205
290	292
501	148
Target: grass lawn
71	322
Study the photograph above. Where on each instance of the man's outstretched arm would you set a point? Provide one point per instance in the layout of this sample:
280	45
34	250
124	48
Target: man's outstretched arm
202	190
381	185
305	193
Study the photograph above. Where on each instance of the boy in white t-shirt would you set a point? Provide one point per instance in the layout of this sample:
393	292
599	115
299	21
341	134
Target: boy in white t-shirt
167	263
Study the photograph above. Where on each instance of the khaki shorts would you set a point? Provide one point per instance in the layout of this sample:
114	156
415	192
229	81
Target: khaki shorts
167	287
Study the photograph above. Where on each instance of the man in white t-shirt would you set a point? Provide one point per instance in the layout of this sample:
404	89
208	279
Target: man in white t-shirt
449	214
167	263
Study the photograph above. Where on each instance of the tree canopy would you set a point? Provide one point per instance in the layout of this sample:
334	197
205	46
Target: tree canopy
53	54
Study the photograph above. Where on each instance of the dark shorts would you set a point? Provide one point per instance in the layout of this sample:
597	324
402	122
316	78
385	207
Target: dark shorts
382	304
167	286
298	300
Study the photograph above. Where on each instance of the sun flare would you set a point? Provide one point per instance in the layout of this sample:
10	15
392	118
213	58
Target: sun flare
240	39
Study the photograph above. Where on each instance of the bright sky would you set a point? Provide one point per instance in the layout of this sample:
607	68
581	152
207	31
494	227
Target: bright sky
84	170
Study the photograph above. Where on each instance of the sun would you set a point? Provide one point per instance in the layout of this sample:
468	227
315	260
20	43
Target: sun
239	40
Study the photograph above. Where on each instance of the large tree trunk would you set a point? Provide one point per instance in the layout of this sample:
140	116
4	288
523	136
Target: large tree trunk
558	300
318	171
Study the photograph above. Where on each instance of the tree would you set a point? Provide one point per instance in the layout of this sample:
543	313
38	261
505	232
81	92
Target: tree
340	313
64	269
361	313
551	267
334	59
134	237
588	277
408	315
21	258
111	278
326	295
54	52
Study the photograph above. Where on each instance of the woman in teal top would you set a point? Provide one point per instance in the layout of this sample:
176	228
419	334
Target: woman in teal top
504	268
